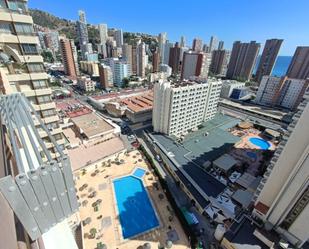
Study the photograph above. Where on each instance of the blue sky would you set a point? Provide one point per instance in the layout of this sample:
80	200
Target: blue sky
229	20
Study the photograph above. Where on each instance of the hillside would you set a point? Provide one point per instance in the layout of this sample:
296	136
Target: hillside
68	28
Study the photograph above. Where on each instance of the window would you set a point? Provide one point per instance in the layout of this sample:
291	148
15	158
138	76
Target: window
23	28
53	125
36	67
29	49
58	136
17	6
48	113
38	84
6	27
44	99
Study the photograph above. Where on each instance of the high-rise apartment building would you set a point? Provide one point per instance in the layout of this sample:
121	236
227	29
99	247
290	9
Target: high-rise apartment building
195	64
141	59
162	39
268	58
127	53
284	92
221	45
180	107
121	70
103	39
106	76
174	58
182	41
242	61
219	62
38	201
283	195
197	45
167	49
69	58
82	33
213	44
119	38
22	68
155	61
299	66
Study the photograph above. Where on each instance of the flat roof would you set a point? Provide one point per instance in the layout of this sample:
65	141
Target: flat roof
82	156
120	94
195	150
243	197
243	234
72	108
225	162
92	125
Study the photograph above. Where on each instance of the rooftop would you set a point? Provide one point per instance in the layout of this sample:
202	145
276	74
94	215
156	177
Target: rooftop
139	103
92	125
188	157
122	94
82	156
225	162
72	108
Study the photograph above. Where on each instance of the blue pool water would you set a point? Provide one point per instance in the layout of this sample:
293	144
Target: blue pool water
259	142
139	172
135	210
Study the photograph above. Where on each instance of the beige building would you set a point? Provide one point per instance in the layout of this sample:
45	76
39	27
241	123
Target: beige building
106	76
86	84
21	66
90	67
283	195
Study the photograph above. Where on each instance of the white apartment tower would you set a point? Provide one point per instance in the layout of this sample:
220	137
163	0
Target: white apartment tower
284	92
283	195
162	38
181	107
22	68
141	59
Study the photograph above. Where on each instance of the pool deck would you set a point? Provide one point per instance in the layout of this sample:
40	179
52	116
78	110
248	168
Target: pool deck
110	233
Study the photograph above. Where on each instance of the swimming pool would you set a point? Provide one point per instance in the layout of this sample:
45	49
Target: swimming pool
138	172
259	142
135	210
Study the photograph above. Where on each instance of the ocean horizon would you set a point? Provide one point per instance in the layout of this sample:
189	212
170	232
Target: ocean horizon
281	65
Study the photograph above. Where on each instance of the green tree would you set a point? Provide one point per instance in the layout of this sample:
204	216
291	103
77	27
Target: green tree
48	56
125	82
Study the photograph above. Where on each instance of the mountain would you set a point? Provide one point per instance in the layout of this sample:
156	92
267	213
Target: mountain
68	28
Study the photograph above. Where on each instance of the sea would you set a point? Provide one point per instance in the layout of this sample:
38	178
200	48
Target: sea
280	67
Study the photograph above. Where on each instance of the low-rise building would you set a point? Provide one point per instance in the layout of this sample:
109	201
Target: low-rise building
153	77
229	85
86	84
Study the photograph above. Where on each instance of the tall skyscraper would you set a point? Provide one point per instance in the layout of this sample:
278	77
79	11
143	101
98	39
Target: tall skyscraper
283	195
213	44
195	65
242	60
299	67
182	41
127	53
268	58
141	59
22	68
174	58
82	33
103	39
197	45
221	45
155	61
167	49
119	38
162	38
219	62
283	92
198	106
69	57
